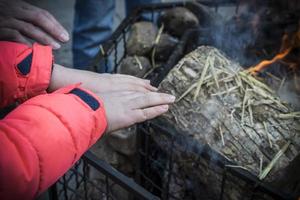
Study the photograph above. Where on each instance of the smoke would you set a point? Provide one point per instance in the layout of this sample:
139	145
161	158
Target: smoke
287	93
250	32
233	36
253	33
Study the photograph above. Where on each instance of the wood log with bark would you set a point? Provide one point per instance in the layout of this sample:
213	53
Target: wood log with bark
225	108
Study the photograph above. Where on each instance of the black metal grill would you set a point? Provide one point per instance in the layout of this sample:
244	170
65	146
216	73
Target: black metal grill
80	181
155	165
91	178
113	51
158	158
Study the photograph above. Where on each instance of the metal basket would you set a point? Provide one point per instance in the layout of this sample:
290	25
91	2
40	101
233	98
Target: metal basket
113	51
79	183
91	178
155	169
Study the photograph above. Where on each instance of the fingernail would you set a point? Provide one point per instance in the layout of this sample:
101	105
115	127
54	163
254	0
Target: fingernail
164	107
55	45
154	88
64	37
172	98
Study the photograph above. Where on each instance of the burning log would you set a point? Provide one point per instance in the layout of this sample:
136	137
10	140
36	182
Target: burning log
235	115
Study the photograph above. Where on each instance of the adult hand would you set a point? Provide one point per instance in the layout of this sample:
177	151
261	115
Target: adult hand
124	109
97	83
20	21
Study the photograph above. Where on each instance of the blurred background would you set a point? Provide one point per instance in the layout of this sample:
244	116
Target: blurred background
63	11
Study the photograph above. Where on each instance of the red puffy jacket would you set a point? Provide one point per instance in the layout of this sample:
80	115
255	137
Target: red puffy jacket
44	136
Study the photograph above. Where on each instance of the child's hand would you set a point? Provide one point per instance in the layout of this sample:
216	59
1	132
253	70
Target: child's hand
118	82
124	109
97	83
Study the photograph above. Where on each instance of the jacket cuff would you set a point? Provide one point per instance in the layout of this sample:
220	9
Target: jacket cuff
41	68
92	103
26	70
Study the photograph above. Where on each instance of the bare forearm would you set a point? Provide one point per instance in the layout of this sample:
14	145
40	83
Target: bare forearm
63	76
99	83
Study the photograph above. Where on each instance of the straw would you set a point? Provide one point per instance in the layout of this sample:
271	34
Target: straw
271	165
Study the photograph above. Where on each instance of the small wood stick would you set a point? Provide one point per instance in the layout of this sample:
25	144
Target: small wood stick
244	105
159	34
155	43
231	115
270	166
222	136
149	72
273	76
187	91
268	134
282	83
212	61
250	112
226	92
203	74
291	115
180	64
253	81
237	166
138	62
260	165
102	50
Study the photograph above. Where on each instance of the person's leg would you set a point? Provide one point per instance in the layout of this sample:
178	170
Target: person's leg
93	24
131	4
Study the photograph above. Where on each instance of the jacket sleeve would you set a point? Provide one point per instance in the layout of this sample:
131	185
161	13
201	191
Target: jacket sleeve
24	71
43	137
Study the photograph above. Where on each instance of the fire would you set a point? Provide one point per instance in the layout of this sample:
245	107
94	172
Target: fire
265	63
287	45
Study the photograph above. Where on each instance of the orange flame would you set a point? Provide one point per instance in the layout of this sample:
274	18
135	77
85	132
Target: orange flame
265	63
287	45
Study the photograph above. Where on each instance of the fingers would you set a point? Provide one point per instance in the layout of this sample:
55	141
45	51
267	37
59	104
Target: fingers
13	35
125	95
45	21
150	87
151	99
32	32
124	109
149	113
60	33
136	87
135	81
131	77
